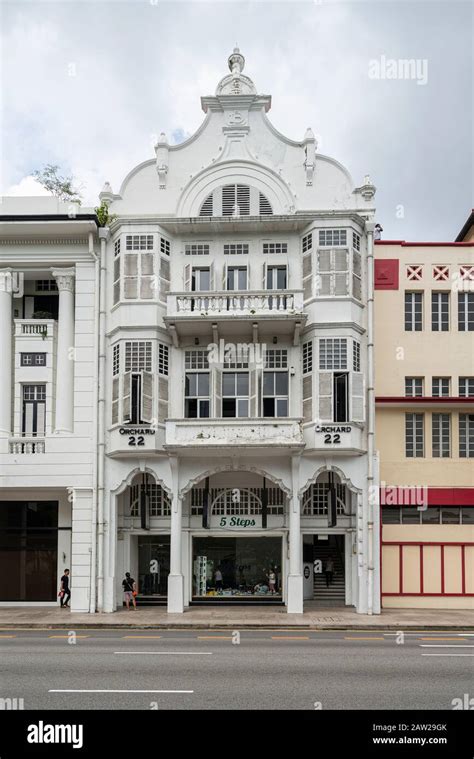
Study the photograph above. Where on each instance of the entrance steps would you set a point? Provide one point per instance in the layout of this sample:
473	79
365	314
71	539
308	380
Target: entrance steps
336	593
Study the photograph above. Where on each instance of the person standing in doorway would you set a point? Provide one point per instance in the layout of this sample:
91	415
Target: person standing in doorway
329	570
129	591
218	578
64	592
272	581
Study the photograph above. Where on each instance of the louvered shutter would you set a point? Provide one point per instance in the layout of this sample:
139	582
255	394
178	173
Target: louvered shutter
253	394
163	395
307	398
127	397
146	410
325	402
164	279
217	393
358	397
308	275
115	400
187	277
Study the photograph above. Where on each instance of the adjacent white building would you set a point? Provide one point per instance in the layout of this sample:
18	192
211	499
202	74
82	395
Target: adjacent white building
212	429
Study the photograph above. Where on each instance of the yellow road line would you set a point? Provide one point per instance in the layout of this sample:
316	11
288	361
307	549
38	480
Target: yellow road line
67	636
7	636
141	637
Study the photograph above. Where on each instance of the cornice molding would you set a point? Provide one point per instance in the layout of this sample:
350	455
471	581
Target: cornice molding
43	241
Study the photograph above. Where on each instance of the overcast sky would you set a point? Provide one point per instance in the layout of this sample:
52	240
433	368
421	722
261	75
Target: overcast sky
89	86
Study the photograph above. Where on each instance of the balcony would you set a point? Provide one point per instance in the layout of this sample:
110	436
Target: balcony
34	328
26	445
269	311
234	433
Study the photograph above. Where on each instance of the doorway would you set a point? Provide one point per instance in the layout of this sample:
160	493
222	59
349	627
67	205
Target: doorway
327	591
153	568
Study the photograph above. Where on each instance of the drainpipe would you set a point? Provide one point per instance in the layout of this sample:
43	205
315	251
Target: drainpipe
369	226
93	555
103	235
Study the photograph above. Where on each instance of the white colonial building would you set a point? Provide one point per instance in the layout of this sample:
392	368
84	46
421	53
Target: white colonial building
204	413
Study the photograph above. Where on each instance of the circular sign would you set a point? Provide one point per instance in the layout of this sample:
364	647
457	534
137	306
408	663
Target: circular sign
306	572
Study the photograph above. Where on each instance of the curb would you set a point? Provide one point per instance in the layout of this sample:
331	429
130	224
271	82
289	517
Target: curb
245	626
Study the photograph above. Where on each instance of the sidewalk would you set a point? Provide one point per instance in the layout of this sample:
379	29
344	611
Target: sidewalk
213	617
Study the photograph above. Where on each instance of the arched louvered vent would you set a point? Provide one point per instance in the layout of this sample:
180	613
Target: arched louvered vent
206	208
264	206
236	200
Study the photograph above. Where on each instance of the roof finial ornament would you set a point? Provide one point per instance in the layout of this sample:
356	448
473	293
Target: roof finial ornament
236	62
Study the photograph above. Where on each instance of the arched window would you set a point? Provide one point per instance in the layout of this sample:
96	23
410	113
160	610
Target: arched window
315	498
159	503
236	200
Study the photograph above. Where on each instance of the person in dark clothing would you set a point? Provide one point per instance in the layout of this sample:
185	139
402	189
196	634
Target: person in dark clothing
129	591
65	593
329	571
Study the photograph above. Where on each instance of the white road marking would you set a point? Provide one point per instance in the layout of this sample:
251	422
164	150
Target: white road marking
448	645
447	654
105	690
165	653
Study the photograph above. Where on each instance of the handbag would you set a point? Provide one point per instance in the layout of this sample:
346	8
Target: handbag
61	594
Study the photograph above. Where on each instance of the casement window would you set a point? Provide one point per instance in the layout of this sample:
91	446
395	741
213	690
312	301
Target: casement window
466	387
355	356
163	381
466	436
465	312
332	237
236	249
138	382
46	285
163	359
201	279
414	435
165	246
275	247
440	311
307	242
197	249
159	502
276	358
236	200
276	277
164	279
197	395
307	357
356	274
117	271
413	311
441	435
414	387
333	272
440	387
138	270
34	411
33	359
235	394
236	278
356	241
308	279
341	392
275	393
197	384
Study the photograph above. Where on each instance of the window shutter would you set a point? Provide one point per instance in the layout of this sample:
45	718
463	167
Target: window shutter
308	398
265	270
211	276
162	399
40	418
224	276
253	394
341	284
358	397
115	400
308	275
164	279
127	397
28	419
187	277
325	397
217	393
146	411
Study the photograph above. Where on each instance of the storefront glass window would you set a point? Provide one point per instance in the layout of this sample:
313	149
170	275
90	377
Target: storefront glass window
237	567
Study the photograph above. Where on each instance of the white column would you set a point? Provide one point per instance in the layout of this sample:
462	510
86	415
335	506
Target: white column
295	577
64	421
6	352
175	577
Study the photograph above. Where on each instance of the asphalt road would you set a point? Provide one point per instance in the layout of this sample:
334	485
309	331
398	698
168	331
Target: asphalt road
211	669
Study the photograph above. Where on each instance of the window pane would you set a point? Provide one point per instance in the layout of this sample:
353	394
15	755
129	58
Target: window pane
268	407
243	407
228	407
268	383
203	384
204	409
410	515
228	383
431	515
450	515
468	515
282	407
191	408
390	515
242	383
281	383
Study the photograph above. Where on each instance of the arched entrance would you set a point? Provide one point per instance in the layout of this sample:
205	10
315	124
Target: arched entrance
237	524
